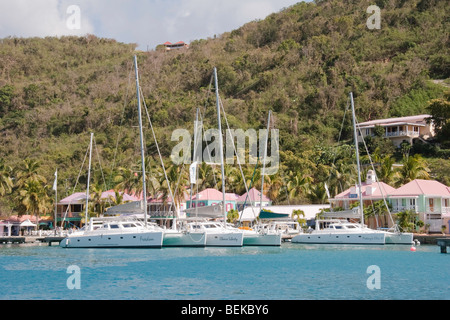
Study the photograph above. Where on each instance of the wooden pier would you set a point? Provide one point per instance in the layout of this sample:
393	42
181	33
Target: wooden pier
28	239
51	240
443	243
4	240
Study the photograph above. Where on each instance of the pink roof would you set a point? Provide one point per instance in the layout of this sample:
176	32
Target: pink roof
213	194
253	195
379	190
422	187
77	197
167	43
20	219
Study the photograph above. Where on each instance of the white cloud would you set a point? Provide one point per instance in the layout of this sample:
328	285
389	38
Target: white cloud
146	22
38	18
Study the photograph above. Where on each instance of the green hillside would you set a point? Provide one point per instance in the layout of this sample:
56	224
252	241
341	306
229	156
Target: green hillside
301	63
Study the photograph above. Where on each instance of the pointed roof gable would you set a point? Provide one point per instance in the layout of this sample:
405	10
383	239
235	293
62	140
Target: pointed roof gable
378	190
80	197
213	194
422	187
253	196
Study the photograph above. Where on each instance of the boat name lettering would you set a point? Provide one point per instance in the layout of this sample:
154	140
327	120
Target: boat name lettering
228	239
146	239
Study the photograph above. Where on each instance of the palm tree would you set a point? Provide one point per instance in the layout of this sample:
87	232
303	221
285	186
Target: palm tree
206	176
299	185
117	199
341	175
385	171
406	220
274	191
97	205
28	170
375	210
33	198
6	182
317	193
299	214
232	216
178	180
128	180
414	167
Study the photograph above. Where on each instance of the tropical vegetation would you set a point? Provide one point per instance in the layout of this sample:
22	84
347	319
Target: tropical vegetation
301	63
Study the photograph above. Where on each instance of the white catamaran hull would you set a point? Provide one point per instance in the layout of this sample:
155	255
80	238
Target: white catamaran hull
153	239
180	239
399	238
262	239
343	238
225	239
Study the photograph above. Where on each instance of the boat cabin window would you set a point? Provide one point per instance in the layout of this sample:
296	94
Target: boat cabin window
129	225
114	226
351	226
338	227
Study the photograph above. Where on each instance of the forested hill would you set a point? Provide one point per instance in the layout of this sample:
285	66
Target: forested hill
301	63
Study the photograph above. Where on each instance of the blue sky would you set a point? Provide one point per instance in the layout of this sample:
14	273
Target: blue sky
145	22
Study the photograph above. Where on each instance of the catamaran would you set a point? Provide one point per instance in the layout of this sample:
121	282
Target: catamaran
217	234
333	231
118	232
260	236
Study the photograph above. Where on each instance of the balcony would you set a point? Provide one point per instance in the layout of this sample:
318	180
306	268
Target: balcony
402	133
404	208
437	209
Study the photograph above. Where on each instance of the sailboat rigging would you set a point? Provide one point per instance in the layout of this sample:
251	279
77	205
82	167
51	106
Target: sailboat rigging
123	231
335	231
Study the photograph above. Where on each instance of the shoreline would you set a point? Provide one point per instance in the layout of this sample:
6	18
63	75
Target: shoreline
429	238
424	239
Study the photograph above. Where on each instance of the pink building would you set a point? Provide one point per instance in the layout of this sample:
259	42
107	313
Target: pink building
429	198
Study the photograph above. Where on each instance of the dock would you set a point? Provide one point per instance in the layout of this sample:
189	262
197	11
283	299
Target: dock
4	240
429	238
443	243
29	239
51	240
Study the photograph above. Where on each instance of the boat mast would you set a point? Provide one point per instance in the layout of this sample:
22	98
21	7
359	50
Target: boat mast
221	147
264	162
361	205
144	186
195	163
86	213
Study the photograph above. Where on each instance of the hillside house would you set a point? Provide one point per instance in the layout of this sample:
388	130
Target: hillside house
399	129
168	46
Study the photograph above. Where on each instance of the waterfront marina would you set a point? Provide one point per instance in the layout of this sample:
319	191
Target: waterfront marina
288	272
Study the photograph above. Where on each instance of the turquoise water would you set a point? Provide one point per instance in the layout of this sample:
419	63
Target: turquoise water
289	272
